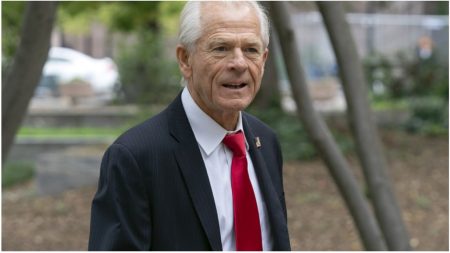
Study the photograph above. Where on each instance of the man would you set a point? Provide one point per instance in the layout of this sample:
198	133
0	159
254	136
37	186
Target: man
202	174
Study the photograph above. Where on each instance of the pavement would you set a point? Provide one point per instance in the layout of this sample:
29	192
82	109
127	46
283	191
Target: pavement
70	168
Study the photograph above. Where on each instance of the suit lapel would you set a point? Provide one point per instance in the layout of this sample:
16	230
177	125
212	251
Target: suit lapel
271	198
194	172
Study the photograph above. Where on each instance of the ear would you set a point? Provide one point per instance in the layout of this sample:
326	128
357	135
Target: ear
183	62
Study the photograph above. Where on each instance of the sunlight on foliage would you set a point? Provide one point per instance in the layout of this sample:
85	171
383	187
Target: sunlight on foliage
169	16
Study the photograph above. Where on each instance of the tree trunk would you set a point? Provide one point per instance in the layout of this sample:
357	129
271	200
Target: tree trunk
362	124
269	93
25	72
321	136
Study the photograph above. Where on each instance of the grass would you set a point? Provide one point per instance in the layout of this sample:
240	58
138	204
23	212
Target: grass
16	172
88	132
381	105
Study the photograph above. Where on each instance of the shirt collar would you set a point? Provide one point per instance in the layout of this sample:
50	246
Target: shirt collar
208	133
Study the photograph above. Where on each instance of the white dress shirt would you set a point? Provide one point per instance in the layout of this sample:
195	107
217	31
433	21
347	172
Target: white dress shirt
217	158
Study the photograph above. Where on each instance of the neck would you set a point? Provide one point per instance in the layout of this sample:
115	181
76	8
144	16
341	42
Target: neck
227	120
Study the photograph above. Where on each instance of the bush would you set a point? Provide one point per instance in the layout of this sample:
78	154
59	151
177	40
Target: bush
405	76
429	116
16	172
294	140
11	24
147	75
422	82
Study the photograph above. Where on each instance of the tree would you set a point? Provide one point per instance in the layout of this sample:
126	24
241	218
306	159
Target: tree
25	72
320	134
363	128
269	93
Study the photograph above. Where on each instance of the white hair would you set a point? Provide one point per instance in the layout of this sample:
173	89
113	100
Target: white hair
191	30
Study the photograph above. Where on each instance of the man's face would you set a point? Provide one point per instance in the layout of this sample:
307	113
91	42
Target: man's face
225	70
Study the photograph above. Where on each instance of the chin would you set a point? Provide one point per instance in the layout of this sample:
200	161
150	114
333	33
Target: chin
234	107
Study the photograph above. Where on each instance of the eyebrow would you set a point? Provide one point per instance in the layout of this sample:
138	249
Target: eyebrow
222	40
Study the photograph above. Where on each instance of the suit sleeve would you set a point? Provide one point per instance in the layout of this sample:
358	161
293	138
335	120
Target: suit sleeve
120	214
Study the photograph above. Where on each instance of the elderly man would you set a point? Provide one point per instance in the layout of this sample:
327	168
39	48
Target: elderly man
202	174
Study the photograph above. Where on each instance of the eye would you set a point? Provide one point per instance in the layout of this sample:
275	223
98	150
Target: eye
220	49
251	50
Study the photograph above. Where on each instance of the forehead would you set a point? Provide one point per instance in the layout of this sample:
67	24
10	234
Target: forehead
229	17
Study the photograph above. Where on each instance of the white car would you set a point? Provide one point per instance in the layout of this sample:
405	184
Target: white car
65	65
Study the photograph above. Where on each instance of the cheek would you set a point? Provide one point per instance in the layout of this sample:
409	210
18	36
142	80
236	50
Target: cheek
213	70
257	71
209	68
206	74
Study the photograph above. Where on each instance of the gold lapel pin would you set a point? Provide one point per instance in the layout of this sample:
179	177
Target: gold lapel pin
257	142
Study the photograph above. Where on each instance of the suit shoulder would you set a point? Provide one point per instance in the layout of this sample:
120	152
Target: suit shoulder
151	132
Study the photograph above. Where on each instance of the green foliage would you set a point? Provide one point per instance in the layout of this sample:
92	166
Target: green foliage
442	8
419	85
76	17
405	76
16	172
12	15
294	140
129	16
389	104
148	76
429	116
169	12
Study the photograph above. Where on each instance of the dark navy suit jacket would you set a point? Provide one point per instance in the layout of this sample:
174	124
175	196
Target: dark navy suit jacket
154	192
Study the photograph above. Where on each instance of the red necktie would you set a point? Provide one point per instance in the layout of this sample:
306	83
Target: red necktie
246	219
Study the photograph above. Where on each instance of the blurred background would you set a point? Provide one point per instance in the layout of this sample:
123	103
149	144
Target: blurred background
112	65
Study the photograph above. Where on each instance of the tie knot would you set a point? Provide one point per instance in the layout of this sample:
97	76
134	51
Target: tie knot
236	143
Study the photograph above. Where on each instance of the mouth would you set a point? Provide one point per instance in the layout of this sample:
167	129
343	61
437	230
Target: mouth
234	86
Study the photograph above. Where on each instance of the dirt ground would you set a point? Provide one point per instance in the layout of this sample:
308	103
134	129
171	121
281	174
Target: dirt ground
318	219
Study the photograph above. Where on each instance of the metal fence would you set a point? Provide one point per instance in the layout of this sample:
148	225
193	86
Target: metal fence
381	33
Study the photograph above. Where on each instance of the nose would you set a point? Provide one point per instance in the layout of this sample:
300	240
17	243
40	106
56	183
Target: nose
237	63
